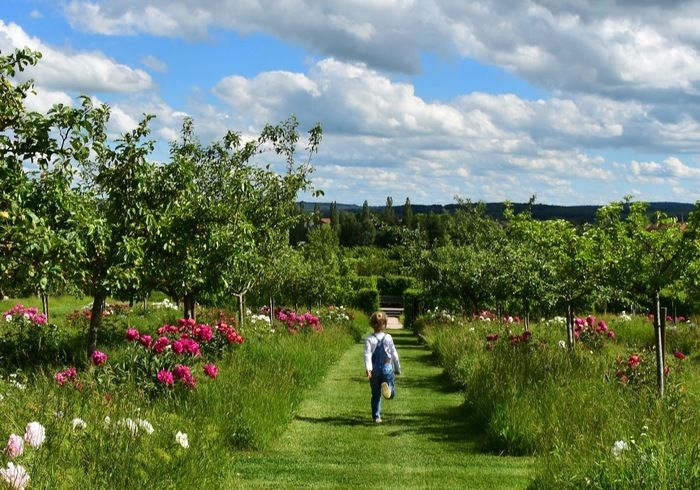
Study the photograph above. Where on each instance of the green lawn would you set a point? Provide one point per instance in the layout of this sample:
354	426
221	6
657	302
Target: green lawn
423	442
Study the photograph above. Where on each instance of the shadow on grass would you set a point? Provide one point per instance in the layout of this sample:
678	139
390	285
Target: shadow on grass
440	383
336	421
447	425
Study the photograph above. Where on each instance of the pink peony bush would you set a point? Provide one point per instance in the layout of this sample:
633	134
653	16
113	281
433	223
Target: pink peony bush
591	334
299	322
21	313
167	358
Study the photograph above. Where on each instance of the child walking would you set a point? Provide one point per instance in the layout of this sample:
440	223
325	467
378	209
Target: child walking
381	362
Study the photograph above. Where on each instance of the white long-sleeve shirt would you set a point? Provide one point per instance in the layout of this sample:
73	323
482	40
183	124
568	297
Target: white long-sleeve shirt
371	343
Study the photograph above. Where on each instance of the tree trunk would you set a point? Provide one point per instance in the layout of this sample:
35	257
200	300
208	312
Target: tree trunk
526	320
240	310
189	302
570	326
272	310
98	302
45	304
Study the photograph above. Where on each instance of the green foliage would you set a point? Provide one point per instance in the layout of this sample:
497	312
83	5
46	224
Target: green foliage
411	306
253	399
366	300
522	393
394	285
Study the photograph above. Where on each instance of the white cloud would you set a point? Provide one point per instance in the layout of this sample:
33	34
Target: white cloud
670	168
154	63
613	48
73	71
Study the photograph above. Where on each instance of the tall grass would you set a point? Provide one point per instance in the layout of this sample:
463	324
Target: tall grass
259	385
569	408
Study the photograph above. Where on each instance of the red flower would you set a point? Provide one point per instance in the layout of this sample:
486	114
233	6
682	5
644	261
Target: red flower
679	355
634	361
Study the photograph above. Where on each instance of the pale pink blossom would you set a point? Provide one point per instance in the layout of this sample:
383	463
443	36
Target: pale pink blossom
15	476
34	434
15	446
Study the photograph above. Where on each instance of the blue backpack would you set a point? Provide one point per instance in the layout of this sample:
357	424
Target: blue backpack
379	355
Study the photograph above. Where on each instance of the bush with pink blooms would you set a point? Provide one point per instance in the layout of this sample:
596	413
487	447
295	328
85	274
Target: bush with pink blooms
26	337
298	322
169	356
591	333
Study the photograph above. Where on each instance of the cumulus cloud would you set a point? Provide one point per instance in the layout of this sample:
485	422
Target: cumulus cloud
76	71
621	49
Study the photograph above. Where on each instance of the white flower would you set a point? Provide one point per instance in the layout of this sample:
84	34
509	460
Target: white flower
8	318
618	447
79	423
181	439
34	434
146	426
129	424
18	385
15	476
26	316
107	421
58	415
562	344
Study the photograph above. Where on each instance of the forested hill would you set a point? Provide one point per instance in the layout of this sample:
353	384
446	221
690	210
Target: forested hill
577	214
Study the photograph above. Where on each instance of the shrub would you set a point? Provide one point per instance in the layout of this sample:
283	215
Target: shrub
367	300
411	306
394	285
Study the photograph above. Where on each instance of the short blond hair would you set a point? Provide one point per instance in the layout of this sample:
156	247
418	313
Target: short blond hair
378	320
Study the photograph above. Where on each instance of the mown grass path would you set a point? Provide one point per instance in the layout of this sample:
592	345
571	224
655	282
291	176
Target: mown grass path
423	442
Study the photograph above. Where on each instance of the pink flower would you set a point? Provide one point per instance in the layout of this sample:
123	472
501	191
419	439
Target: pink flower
146	340
161	344
211	370
99	358
492	338
679	355
62	377
15	476
34	434
191	347
633	361
15	446
132	334
203	333
181	371
590	320
178	347
611	334
165	377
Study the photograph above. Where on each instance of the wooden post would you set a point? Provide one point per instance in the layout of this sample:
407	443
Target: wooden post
659	345
664	313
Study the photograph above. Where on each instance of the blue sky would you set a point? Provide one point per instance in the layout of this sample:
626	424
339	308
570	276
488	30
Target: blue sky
426	99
